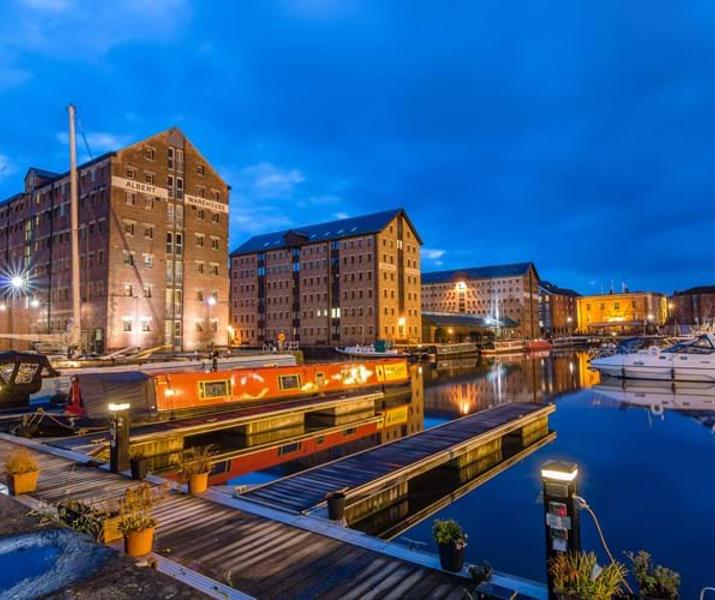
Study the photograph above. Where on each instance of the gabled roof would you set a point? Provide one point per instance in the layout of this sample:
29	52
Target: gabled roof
42	173
555	289
701	289
488	272
323	232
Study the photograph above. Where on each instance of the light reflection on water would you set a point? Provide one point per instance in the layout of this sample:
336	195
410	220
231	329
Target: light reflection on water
646	468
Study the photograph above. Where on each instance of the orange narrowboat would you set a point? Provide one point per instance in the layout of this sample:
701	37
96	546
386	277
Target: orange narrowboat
171	392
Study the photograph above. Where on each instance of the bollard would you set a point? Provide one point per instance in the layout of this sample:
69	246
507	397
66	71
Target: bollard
119	437
563	534
336	505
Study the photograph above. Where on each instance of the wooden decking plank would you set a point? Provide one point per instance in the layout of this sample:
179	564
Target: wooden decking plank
365	585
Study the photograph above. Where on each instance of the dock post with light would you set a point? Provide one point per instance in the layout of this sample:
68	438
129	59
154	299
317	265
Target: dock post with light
563	534
119	437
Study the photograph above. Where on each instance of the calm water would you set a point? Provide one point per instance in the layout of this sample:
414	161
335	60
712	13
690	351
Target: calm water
646	468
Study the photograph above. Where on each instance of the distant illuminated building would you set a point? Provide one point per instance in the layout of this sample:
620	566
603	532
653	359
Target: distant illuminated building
499	292
626	312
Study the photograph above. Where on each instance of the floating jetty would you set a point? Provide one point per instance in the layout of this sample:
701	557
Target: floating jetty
377	477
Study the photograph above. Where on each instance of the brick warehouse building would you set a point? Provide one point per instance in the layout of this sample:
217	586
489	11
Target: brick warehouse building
694	306
153	245
558	310
344	282
512	289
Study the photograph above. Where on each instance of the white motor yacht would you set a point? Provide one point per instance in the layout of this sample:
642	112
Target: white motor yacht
691	360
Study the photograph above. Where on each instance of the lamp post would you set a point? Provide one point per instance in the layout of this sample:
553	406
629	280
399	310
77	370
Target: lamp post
210	301
563	534
119	436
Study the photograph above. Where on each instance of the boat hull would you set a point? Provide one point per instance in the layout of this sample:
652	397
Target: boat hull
656	368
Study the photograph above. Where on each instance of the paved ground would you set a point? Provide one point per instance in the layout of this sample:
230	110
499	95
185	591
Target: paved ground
118	579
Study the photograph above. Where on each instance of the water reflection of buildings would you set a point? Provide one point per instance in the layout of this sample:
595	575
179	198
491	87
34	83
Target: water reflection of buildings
455	388
321	439
694	400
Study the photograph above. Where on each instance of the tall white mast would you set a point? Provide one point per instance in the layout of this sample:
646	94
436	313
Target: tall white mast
76	331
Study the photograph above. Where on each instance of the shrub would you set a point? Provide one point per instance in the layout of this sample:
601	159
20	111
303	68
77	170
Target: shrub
446	531
136	521
196	460
21	461
574	577
656	581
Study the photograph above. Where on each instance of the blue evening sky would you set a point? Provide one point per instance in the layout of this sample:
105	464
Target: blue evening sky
579	135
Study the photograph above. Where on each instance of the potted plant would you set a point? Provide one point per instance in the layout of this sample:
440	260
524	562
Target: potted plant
655	582
452	541
195	468
139	464
100	520
136	523
137	527
22	471
576	576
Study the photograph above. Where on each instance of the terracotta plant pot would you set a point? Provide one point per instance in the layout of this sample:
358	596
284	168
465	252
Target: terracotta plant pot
198	483
24	483
139	543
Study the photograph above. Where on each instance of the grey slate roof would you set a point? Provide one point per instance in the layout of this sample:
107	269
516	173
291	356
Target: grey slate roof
44	173
488	272
322	232
464	320
555	289
701	289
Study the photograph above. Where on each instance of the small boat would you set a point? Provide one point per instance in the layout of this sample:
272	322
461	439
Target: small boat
538	345
690	360
380	349
445	351
503	347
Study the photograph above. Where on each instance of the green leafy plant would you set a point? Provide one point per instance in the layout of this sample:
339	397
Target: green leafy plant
20	461
447	531
576	576
654	581
196	460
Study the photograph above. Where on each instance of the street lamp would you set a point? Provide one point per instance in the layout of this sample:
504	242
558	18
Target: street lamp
17	282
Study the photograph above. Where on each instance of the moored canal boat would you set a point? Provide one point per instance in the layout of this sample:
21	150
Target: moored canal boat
153	395
492	348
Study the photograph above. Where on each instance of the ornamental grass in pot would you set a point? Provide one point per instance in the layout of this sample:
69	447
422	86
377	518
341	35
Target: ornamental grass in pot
655	582
195	468
452	541
136	521
22	471
137	527
576	576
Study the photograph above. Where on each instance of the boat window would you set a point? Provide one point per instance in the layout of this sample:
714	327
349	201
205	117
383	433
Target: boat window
289	448
26	372
289	382
6	371
214	389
